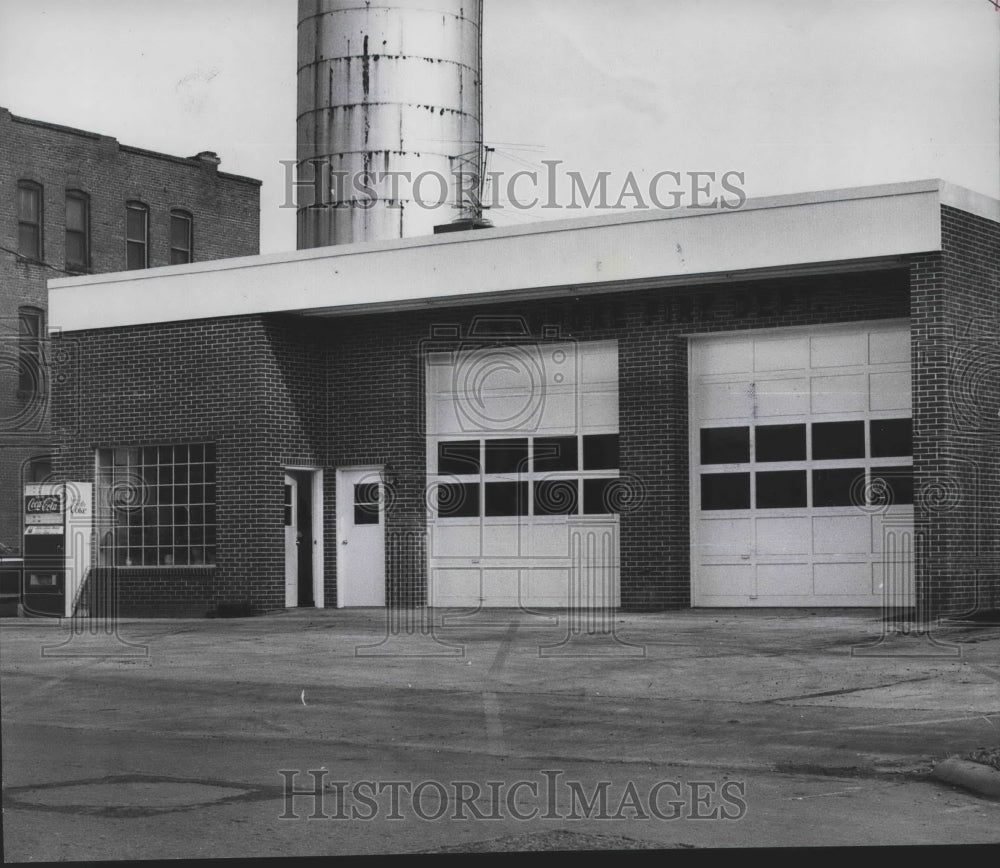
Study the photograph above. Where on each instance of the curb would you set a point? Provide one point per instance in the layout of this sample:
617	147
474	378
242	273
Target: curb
969	775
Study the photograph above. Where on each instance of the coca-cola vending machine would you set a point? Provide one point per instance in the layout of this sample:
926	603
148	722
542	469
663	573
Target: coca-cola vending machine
58	526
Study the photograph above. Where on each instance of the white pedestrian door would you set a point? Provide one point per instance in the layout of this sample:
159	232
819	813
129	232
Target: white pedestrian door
291	542
361	538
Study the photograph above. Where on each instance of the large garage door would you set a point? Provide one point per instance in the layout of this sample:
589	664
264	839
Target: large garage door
801	468
522	463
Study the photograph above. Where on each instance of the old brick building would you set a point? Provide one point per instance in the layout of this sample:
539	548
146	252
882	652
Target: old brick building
76	202
790	404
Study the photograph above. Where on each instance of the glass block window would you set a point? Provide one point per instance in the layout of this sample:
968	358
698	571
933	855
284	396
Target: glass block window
156	505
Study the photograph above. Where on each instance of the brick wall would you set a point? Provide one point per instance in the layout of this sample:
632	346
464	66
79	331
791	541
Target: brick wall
956	359
278	391
225	210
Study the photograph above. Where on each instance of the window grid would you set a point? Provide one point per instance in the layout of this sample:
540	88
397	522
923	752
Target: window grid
157	505
566	491
892	466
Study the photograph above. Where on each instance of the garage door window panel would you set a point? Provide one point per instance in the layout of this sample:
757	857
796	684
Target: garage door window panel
838	440
599	496
557	497
725	445
780	443
553	454
838	487
507	456
506	499
891	438
600	452
781	489
725	491
459	457
458	500
897	483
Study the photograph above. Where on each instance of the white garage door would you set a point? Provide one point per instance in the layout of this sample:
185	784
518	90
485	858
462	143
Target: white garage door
801	467
522	463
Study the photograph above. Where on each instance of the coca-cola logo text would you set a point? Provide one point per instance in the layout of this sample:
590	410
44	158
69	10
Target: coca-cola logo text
43	504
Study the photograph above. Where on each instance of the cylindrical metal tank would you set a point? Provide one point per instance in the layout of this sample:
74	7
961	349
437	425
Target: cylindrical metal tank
386	88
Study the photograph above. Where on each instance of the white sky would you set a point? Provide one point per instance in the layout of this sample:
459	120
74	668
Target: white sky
797	94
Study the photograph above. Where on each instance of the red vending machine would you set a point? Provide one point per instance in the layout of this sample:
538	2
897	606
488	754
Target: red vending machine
58	528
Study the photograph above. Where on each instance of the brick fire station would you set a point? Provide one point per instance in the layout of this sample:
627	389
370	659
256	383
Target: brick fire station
792	404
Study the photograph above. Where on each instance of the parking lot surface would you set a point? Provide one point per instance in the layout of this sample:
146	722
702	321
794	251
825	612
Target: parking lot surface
311	733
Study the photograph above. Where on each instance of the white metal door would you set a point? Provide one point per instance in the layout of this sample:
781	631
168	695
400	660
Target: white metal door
360	537
291	542
801	467
522	468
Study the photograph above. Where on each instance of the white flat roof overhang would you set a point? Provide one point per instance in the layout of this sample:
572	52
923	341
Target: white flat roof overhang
869	227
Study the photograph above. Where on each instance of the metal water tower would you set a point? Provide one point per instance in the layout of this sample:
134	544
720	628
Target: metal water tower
386	87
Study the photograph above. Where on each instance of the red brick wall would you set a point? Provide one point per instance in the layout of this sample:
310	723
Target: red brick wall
956	387
226	212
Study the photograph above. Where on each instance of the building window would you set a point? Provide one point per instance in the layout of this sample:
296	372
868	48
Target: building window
181	238
77	231
29	220
157	505
38	470
518	477
136	236
30	374
841	463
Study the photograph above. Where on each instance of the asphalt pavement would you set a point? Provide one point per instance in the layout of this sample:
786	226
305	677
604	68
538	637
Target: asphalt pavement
313	733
